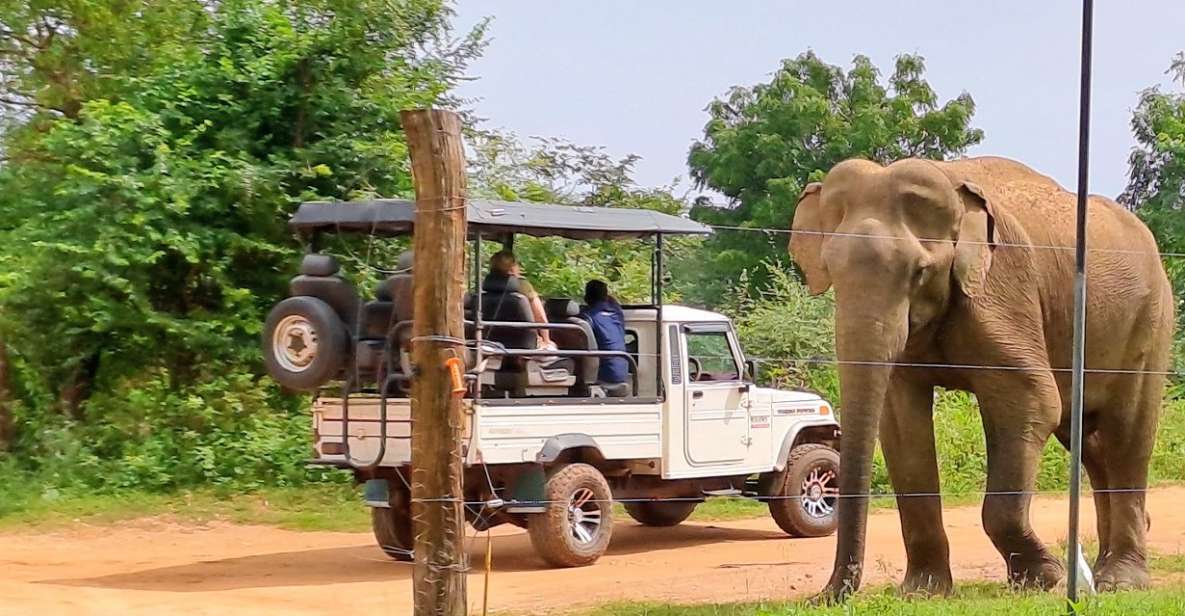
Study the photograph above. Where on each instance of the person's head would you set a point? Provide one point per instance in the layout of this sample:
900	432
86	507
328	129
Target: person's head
503	263
595	291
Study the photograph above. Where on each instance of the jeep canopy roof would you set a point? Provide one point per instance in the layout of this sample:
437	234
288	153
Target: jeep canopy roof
397	217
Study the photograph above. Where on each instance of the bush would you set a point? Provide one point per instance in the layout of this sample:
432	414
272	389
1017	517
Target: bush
227	429
789	332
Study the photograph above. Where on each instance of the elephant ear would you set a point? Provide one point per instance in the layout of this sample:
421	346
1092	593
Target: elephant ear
807	247
977	240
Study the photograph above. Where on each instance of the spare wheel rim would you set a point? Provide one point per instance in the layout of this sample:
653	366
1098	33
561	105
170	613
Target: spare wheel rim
294	343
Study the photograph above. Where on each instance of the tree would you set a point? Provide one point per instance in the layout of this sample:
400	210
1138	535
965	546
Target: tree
1156	185
145	199
556	171
763	144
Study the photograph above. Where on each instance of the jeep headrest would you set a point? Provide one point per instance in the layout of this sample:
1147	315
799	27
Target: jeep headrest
319	265
385	291
560	308
382	291
406	261
500	284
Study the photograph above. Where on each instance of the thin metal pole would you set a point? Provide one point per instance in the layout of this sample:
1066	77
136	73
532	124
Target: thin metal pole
658	299
477	313
1079	373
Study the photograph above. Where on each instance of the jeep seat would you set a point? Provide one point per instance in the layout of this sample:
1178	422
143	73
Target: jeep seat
319	278
522	376
564	310
398	290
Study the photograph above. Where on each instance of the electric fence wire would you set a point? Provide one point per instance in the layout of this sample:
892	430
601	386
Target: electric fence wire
872	236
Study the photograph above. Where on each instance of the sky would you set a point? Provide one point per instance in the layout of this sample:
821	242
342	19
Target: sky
635	76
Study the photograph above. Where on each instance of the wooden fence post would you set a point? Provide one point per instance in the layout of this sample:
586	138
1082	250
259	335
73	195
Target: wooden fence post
438	169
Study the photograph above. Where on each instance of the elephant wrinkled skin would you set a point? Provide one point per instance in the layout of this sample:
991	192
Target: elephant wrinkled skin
970	264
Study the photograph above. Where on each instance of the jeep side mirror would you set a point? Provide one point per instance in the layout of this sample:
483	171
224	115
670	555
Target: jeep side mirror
751	369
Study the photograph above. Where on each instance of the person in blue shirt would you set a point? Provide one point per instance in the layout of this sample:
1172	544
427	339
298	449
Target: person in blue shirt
608	324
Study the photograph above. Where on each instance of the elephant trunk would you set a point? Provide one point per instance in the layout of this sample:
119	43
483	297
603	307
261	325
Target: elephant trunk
869	337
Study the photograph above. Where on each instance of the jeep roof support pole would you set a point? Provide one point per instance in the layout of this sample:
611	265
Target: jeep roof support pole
1079	368
658	339
477	325
438	172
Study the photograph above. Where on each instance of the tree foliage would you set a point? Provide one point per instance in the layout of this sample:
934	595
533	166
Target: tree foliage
150	169
550	170
764	143
1156	185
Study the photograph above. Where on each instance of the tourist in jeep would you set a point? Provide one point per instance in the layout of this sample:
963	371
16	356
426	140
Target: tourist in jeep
603	312
504	265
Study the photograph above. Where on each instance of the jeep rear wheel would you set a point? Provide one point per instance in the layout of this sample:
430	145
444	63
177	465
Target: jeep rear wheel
659	513
575	528
802	498
392	525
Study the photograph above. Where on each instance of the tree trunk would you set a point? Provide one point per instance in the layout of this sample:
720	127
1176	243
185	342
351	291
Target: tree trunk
78	387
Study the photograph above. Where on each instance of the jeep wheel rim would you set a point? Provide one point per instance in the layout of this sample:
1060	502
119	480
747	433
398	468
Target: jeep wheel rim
819	493
584	516
294	343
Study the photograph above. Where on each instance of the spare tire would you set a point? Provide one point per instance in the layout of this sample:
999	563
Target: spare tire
305	343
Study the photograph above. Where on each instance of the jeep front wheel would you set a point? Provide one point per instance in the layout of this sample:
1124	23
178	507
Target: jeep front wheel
802	498
575	528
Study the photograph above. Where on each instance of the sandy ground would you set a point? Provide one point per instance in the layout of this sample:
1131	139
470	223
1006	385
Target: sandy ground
154	567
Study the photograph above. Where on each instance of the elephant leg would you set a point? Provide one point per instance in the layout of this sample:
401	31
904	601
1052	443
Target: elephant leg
907	439
1020	412
1126	440
1092	461
1096	470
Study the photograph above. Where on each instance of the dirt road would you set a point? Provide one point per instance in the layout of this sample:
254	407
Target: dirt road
154	567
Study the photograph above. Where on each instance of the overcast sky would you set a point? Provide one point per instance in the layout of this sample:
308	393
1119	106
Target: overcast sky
635	76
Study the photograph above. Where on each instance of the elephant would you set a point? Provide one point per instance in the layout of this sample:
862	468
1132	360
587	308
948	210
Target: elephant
961	275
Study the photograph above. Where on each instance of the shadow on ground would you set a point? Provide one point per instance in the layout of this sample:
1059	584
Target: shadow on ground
365	563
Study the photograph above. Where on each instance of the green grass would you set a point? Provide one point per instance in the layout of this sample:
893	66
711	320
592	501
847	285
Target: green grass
1168	563
969	600
725	509
333	507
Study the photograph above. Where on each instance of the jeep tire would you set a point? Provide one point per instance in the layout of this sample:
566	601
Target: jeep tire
577	524
305	343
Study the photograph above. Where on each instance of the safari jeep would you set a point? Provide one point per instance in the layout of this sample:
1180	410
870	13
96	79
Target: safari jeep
545	448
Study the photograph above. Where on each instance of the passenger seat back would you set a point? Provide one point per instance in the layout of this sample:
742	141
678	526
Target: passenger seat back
501	301
561	310
319	278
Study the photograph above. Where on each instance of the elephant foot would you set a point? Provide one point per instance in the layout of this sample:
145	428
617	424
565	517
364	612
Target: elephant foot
927	582
837	591
1042	571
1122	574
